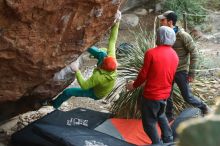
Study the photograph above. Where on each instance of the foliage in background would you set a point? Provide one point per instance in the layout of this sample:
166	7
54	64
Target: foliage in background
187	6
213	4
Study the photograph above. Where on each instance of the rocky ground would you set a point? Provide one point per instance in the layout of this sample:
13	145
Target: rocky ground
207	85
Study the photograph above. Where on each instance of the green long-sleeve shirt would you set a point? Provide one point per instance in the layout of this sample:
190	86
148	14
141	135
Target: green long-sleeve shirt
102	81
186	51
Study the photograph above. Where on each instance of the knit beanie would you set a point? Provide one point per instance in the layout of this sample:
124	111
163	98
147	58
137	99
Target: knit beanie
109	64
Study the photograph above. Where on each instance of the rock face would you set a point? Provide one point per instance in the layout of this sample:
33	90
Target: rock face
38	38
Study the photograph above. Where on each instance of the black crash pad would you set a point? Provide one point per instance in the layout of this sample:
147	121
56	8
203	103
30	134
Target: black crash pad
77	136
75	117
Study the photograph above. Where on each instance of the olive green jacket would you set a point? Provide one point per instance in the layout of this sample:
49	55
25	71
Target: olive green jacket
187	52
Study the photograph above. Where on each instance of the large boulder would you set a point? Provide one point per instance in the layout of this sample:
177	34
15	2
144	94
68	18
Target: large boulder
131	4
40	37
129	20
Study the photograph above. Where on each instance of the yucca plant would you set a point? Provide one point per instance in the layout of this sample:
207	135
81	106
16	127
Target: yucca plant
126	103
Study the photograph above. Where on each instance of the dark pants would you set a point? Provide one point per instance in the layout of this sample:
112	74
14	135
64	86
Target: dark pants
182	83
152	112
69	92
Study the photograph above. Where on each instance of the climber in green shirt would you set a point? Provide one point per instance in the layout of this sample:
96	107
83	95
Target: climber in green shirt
103	78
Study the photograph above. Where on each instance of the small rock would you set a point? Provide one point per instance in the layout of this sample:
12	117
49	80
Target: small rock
105	111
141	12
158	7
25	123
130	4
197	33
104	102
214	82
216	86
150	10
200	84
129	20
210	97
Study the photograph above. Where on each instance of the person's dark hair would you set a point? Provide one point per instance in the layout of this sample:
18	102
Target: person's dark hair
173	17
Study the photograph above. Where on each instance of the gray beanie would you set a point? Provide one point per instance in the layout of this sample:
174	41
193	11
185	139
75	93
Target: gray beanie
166	36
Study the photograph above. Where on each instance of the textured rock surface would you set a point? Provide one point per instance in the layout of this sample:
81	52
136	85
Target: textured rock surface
129	20
38	38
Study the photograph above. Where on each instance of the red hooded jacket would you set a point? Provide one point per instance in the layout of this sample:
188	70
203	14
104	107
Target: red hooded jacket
160	64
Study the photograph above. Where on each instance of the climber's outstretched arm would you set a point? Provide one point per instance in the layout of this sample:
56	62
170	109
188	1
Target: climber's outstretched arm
112	40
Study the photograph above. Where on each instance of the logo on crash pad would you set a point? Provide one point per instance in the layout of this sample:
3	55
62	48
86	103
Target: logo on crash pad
77	121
